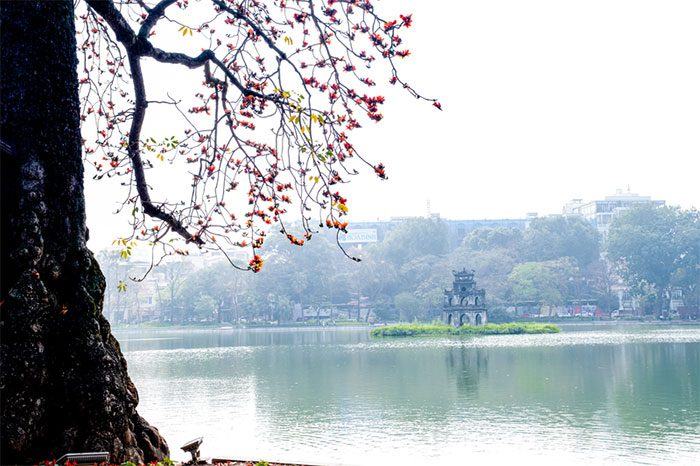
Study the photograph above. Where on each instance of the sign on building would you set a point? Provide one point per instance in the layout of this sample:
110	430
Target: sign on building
365	235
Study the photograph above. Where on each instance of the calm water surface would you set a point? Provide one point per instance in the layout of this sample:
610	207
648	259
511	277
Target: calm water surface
612	394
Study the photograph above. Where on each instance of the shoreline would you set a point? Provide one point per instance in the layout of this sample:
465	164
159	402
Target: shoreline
564	322
233	327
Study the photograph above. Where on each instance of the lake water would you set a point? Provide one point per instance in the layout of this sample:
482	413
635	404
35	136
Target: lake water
613	394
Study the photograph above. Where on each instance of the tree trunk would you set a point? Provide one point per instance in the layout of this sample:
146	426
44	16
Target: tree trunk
64	383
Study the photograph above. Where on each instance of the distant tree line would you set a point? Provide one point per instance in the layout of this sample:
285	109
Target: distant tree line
554	261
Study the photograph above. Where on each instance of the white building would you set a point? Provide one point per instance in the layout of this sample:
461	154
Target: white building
602	212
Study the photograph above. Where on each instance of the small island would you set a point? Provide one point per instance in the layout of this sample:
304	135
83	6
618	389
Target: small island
422	329
464	313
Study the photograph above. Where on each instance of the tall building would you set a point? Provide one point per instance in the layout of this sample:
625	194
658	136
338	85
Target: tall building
602	212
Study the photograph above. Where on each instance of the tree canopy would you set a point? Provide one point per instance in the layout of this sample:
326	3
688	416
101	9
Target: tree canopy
412	238
541	282
657	248
284	85
548	238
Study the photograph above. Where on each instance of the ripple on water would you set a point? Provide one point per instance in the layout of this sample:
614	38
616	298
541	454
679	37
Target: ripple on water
190	354
541	340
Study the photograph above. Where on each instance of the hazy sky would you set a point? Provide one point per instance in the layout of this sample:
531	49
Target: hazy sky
543	101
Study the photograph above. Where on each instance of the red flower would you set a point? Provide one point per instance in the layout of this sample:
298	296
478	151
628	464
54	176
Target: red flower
256	263
379	170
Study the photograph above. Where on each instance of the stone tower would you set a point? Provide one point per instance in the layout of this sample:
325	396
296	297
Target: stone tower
464	303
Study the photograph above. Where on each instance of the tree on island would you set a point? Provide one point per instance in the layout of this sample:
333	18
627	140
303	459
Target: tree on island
298	71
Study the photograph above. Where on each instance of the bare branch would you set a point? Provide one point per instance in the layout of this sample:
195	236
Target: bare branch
154	15
135	156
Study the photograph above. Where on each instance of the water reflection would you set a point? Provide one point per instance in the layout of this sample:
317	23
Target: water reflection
336	396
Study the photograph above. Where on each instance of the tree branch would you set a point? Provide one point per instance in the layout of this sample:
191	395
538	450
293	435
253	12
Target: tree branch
137	46
116	21
195	62
134	150
253	26
154	15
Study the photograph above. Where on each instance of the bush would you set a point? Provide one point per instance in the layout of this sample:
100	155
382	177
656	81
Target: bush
416	329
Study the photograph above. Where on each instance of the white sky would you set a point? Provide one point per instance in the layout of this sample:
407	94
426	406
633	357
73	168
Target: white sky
543	101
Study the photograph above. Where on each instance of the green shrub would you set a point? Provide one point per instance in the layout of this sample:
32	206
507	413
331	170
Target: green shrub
417	329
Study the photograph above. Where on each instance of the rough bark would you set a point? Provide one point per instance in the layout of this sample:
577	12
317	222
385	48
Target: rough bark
64	382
